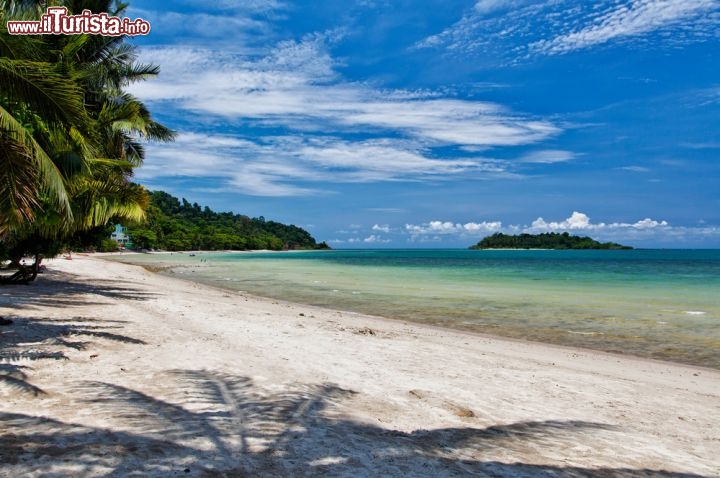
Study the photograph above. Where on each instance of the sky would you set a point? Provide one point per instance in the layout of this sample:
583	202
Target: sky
434	123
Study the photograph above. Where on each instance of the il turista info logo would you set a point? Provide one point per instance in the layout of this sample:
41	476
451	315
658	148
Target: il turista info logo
57	22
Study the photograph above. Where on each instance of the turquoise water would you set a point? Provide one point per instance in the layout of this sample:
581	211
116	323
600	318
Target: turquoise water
661	304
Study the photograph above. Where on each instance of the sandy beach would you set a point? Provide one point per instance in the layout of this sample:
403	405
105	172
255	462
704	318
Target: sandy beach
111	370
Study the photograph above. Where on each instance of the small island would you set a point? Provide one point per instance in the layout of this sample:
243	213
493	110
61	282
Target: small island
547	240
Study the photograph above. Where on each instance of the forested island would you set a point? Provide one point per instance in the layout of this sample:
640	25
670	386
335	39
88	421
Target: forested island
547	240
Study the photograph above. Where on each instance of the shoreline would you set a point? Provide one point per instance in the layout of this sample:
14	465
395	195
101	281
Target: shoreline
697	351
461	332
174	376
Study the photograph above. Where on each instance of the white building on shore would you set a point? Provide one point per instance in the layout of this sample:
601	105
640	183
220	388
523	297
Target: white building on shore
121	236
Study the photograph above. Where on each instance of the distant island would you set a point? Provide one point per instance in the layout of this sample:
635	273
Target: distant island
547	240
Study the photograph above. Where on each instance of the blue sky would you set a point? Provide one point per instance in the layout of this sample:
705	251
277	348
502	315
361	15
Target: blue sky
433	123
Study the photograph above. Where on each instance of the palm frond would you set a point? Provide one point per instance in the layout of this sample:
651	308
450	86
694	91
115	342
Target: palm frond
49	94
97	200
18	198
27	171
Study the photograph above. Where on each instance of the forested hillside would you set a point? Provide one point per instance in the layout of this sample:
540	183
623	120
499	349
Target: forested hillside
174	225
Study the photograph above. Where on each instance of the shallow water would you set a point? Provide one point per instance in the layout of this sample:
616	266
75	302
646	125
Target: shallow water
661	304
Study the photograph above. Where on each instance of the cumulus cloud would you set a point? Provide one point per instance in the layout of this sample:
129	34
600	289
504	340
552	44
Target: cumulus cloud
643	231
579	221
451	228
648	231
372	239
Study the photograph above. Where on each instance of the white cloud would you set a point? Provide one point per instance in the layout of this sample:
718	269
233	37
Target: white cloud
645	231
579	221
548	156
297	108
636	169
704	145
272	166
295	86
648	223
295	92
628	19
450	228
372	239
509	31
489	6
486	6
381	160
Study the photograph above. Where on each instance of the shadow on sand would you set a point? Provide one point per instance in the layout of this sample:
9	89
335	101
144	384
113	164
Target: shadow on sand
32	339
59	289
209	424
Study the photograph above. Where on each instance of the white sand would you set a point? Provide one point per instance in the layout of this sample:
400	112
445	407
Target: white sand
162	377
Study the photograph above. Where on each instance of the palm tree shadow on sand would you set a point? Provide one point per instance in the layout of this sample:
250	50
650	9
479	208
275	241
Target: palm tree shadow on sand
33	339
64	289
210	424
30	339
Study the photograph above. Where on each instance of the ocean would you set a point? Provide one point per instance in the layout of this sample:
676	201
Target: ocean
662	304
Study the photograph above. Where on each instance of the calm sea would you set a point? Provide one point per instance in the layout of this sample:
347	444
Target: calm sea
662	304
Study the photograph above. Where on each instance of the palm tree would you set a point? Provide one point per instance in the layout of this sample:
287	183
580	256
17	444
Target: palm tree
70	133
42	119
105	190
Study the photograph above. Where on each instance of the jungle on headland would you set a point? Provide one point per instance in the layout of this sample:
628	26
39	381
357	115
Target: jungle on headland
175	225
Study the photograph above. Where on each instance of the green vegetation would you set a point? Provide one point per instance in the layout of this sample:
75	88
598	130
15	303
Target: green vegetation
70	139
174	225
70	135
549	240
